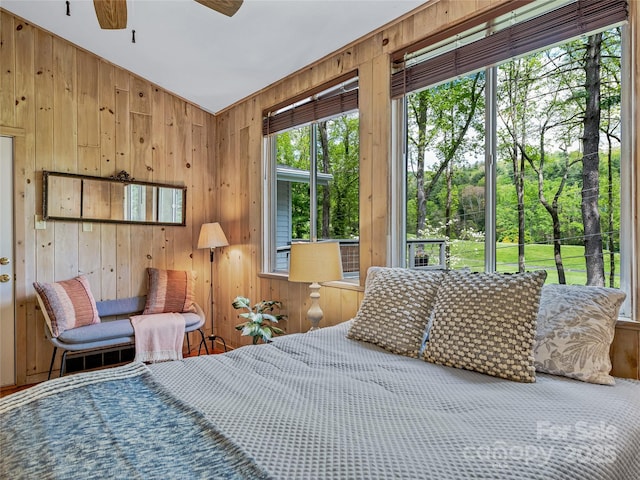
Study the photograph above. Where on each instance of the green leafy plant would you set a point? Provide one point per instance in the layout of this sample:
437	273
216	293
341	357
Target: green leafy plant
259	319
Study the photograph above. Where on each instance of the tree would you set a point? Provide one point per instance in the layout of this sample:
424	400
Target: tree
324	166
440	120
337	155
517	80
419	105
543	116
611	95
293	149
559	131
591	163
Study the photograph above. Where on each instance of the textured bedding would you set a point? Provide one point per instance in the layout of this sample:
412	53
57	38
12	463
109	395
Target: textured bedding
319	405
116	423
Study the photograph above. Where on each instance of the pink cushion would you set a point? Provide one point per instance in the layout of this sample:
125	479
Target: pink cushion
67	304
170	291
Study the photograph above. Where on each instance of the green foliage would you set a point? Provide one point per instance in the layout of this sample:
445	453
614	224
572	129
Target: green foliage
445	127
338	155
259	319
342	160
540	104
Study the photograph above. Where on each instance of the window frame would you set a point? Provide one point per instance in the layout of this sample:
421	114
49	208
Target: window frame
269	164
628	241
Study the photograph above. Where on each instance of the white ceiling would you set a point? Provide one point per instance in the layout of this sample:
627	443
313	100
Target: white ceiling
208	58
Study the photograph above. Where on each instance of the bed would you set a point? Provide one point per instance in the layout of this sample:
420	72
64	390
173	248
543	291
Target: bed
319	405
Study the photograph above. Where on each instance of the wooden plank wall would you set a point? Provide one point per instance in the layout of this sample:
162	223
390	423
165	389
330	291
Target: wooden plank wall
71	111
238	141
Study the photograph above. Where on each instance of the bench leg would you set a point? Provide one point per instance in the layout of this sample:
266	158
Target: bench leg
53	357
189	346
202	342
64	362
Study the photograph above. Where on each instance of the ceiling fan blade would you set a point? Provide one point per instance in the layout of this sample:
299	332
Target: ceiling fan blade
226	7
112	14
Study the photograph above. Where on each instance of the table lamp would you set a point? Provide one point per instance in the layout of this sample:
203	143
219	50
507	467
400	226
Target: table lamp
315	262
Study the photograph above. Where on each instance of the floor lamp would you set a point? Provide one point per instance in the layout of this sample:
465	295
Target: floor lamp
315	262
212	237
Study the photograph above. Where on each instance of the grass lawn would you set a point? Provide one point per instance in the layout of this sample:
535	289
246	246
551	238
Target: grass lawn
471	254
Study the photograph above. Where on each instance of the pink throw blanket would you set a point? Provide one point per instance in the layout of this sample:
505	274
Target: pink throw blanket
159	337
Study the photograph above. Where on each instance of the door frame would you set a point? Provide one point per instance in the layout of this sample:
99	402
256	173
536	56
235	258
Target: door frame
24	186
8	325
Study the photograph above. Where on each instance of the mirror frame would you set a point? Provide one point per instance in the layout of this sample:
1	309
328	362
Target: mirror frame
121	178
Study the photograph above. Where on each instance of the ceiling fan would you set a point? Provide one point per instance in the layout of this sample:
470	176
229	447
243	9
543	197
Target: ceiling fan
112	14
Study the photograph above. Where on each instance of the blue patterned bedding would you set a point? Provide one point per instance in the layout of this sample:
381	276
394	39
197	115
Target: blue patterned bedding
113	424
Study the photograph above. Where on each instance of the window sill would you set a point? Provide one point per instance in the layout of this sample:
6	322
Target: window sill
628	324
345	284
273	276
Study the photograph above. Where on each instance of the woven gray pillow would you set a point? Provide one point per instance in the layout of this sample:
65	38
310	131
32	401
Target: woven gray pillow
486	322
576	325
395	309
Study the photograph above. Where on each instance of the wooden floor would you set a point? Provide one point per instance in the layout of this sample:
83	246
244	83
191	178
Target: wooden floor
9	390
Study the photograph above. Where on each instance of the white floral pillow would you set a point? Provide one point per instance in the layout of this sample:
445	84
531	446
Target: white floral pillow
576	325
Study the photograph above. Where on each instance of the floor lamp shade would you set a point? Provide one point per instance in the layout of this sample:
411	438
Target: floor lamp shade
315	262
212	236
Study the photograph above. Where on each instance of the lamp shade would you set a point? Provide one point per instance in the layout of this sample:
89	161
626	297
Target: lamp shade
315	262
212	236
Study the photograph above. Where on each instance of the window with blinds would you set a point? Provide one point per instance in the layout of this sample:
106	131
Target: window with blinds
312	179
330	101
502	40
513	149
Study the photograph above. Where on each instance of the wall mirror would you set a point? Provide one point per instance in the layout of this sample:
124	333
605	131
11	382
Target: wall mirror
118	199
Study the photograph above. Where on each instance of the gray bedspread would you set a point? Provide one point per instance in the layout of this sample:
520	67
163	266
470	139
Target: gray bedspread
318	405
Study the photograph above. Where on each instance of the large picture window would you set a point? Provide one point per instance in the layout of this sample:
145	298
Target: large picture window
521	166
313	178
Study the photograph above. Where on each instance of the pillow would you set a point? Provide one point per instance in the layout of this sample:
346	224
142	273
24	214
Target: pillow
576	325
67	304
395	309
487	322
170	291
371	274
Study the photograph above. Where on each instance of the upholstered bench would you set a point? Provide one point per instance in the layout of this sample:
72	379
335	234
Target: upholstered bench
113	330
75	322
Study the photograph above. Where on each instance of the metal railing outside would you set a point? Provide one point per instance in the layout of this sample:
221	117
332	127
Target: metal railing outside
349	251
425	254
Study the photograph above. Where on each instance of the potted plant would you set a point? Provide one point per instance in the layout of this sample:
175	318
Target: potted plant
259	320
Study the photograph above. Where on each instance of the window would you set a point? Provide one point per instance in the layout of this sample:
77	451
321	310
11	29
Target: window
520	166
313	176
